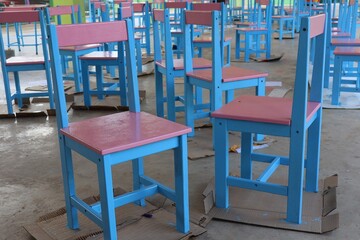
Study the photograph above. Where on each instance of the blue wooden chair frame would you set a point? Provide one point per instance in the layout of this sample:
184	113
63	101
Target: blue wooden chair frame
225	42
253	42
285	19
278	117
71	53
18	64
218	79
169	67
142	12
116	138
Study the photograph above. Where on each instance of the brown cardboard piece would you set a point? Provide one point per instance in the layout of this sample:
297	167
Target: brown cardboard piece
133	222
264	209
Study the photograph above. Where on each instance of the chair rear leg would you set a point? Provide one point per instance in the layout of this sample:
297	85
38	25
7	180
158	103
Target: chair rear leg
246	151
138	172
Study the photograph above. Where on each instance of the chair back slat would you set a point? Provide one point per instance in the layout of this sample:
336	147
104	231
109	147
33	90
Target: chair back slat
317	24
19	16
125	4
176	4
138	7
198	18
82	34
60	10
206	6
125	12
158	15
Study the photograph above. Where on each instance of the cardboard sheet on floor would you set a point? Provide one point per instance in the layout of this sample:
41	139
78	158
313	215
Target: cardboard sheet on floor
133	222
264	209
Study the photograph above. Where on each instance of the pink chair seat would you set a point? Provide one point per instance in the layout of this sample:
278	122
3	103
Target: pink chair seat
335	29
262	109
13	61
81	47
340	34
349	51
132	130
230	74
207	39
345	41
282	17
100	55
179	63
251	29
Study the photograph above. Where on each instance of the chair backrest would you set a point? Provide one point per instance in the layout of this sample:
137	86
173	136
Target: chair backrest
161	18
71	11
125	13
24	17
313	27
207	19
92	33
259	13
141	12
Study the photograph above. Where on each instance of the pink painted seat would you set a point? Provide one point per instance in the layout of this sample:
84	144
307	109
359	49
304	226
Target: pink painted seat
20	60
229	74
100	55
108	141
206	39
178	64
135	129
350	51
83	47
263	109
297	119
345	42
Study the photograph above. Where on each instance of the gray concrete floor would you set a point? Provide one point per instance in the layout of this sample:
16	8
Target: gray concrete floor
31	181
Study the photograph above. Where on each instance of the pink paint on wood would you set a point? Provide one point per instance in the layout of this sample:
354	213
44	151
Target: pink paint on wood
122	131
97	4
19	16
347	51
13	61
138	7
60	10
198	17
179	63
158	15
345	42
262	109
206	7
229	74
91	33
126	12
175	4
80	47
317	25
96	55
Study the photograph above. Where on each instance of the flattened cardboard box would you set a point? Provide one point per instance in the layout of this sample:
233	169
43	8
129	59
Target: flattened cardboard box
264	209
133	222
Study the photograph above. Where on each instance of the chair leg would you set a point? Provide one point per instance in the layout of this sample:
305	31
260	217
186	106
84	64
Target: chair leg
7	92
99	83
18	89
69	183
86	83
138	56
246	151
77	72
247	47
107	198
181	185
138	172
159	93
296	174
237	45
313	155
170	97
336	81
221	145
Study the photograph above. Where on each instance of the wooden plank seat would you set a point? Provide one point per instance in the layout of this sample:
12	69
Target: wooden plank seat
298	119
110	140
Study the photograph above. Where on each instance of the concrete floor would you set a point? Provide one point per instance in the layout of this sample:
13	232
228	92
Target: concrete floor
31	181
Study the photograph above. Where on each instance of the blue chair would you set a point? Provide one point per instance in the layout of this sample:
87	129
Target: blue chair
217	79
166	65
252	35
117	138
18	64
298	119
71	53
206	42
285	20
142	23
